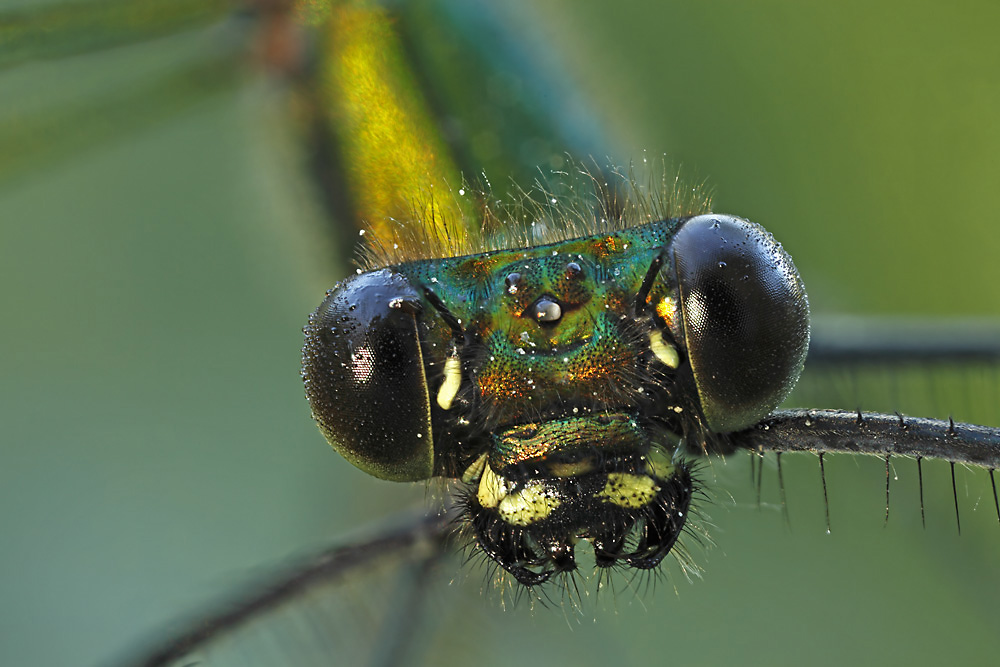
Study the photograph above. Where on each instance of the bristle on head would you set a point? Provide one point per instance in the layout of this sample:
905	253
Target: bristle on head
581	200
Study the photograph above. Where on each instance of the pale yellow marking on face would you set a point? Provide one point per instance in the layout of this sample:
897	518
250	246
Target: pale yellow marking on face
492	489
475	470
528	505
663	351
629	491
452	382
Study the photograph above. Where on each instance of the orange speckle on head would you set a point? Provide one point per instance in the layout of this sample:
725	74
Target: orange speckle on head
606	246
502	384
477	267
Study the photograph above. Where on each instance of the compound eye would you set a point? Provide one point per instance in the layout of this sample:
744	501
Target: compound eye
745	318
365	379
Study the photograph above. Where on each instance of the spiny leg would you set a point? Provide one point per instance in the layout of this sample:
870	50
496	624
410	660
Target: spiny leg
760	477
826	499
920	478
996	503
886	490
784	504
954	493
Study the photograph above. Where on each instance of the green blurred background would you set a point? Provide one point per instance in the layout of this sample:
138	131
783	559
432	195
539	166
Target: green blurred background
156	449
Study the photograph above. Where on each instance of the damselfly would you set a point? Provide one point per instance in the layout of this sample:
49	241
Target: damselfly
112	414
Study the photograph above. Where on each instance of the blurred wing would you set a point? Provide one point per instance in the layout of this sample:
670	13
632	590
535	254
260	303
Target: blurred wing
405	107
928	368
133	65
365	603
943	374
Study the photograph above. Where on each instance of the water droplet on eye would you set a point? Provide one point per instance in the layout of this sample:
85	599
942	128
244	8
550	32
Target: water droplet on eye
722	265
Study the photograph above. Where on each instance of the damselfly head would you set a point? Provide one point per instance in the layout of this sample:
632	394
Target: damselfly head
564	383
